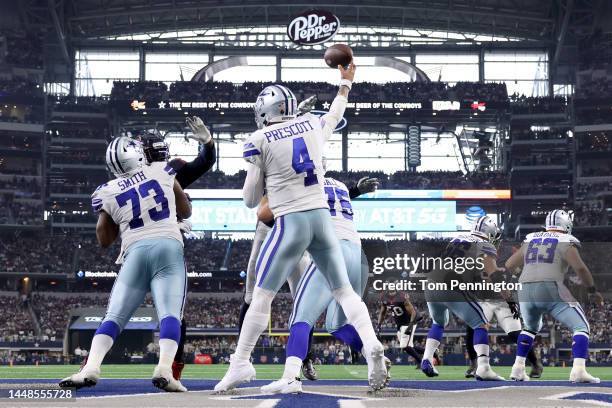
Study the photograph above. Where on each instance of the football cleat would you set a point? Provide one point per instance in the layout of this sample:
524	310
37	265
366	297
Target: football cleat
177	370
308	370
283	386
239	372
471	371
428	368
536	370
486	373
388	367
377	371
86	377
163	379
580	375
518	373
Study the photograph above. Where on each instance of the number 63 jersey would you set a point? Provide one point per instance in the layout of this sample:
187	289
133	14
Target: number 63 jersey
142	204
544	256
290	155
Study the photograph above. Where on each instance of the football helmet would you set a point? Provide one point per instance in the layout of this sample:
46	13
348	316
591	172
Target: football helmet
124	156
559	220
275	103
486	228
154	146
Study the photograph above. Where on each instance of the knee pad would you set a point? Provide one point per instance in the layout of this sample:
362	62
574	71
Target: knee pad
262	300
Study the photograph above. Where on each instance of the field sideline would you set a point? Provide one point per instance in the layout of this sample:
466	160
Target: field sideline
273	371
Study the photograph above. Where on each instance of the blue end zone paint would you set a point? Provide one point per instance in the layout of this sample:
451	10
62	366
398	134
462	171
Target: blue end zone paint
590	396
305	399
143	386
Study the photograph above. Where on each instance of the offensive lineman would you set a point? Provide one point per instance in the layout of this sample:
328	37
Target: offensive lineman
156	150
141	205
478	244
314	296
265	223
545	257
285	155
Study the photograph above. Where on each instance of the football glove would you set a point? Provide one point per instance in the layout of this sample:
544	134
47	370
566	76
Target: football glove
199	129
367	185
514	308
185	226
307	105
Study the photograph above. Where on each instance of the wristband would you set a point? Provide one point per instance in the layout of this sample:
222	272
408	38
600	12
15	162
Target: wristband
347	83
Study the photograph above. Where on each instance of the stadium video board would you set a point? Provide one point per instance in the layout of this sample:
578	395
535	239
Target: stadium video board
383	211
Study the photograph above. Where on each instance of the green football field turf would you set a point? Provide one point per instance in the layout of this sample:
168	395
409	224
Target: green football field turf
274	371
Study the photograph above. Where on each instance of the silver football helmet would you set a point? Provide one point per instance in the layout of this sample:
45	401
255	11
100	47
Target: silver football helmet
559	220
124	156
276	103
486	228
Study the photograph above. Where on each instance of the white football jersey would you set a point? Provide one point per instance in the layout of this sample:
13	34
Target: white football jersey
290	155
544	256
341	210
143	205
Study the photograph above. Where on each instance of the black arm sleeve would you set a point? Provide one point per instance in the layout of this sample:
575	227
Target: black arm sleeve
354	192
187	173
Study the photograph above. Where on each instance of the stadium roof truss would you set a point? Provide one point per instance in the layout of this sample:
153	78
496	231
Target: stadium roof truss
372	22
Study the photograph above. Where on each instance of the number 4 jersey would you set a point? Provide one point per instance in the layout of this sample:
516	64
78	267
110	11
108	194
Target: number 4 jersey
544	256
143	204
290	155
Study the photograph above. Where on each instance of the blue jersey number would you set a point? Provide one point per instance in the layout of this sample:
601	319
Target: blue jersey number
343	197
533	255
144	190
301	162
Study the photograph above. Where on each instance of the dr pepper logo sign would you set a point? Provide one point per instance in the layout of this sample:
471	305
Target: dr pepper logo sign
313	27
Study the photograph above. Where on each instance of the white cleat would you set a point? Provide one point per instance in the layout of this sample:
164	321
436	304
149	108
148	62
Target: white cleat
86	377
518	373
580	375
239	372
163	379
388	367
377	370
283	386
486	373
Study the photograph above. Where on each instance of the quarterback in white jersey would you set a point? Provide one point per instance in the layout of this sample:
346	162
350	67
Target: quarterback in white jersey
545	258
141	205
285	156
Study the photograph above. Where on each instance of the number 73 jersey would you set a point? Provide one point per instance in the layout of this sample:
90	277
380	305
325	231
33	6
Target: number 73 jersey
544	256
290	155
143	204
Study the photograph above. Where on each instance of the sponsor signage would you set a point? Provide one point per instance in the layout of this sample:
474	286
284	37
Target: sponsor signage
370	215
139	106
313	27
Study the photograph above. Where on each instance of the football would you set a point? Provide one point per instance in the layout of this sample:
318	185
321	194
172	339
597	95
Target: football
338	54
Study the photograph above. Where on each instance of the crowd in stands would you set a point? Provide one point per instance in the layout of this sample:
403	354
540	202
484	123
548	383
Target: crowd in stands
21	187
15	319
594	89
521	104
22	48
529	134
600	141
19	87
366	92
542	159
52	312
20	212
397	180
